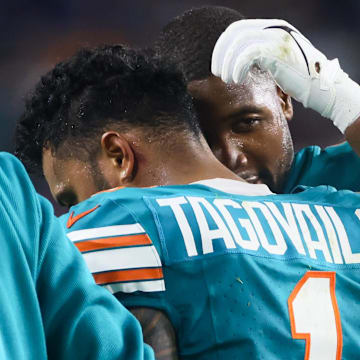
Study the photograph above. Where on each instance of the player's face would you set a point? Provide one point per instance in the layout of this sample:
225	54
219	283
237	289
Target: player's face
246	128
70	180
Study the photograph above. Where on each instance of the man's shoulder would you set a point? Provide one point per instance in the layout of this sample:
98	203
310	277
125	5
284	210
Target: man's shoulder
309	152
12	171
117	241
25	208
337	166
123	211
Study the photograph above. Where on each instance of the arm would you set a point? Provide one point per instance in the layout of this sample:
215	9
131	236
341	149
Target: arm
81	320
296	65
52	307
352	134
158	332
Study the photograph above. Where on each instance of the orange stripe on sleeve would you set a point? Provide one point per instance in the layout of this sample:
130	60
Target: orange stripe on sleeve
128	275
108	243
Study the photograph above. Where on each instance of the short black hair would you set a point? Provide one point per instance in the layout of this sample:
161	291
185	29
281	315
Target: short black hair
189	39
107	85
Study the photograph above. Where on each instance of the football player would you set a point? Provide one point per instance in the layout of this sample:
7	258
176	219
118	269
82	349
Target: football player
246	124
236	271
50	305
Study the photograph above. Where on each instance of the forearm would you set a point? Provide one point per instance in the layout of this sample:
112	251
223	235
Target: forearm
301	71
158	332
352	134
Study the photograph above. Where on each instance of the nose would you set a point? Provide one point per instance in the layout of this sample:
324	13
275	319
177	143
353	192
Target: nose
231	155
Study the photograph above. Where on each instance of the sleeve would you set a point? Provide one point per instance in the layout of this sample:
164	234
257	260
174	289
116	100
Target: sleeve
337	166
122	256
81	320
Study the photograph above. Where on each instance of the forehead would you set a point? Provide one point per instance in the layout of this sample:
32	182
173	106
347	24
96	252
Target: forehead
223	99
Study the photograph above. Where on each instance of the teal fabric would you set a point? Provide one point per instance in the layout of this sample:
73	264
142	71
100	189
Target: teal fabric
49	303
337	166
227	296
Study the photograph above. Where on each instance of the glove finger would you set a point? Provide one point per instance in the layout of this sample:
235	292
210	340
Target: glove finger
217	58
239	45
253	24
243	63
233	31
267	55
279	24
240	33
289	79
236	55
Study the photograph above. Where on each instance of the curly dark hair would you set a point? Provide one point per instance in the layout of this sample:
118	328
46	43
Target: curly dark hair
189	38
108	85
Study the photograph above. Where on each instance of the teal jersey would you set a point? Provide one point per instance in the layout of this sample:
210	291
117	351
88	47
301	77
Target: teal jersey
240	272
337	166
50	306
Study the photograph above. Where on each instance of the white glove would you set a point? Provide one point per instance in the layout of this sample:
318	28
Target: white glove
298	68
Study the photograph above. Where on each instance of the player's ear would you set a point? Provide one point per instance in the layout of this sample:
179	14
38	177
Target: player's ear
286	104
120	156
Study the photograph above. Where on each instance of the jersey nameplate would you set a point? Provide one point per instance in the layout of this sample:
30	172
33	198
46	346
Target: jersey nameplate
191	227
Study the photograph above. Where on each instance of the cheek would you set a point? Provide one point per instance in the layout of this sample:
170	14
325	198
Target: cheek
263	146
274	145
278	136
269	145
284	137
277	149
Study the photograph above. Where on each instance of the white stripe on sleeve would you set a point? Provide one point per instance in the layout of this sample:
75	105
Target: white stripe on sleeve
124	258
106	231
146	286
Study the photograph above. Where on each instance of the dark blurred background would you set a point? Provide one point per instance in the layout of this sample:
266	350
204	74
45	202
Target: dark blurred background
35	35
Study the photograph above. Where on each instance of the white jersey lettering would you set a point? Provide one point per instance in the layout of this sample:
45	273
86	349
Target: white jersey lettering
250	244
208	235
331	234
254	225
302	210
288	223
349	256
280	246
175	204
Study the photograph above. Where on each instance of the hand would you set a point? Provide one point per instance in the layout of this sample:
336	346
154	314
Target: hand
296	65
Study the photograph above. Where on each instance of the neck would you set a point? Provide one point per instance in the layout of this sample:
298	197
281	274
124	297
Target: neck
190	163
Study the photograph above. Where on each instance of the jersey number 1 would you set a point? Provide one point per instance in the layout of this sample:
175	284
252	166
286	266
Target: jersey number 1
314	315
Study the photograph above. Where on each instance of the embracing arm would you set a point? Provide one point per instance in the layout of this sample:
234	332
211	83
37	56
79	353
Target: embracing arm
158	332
81	320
